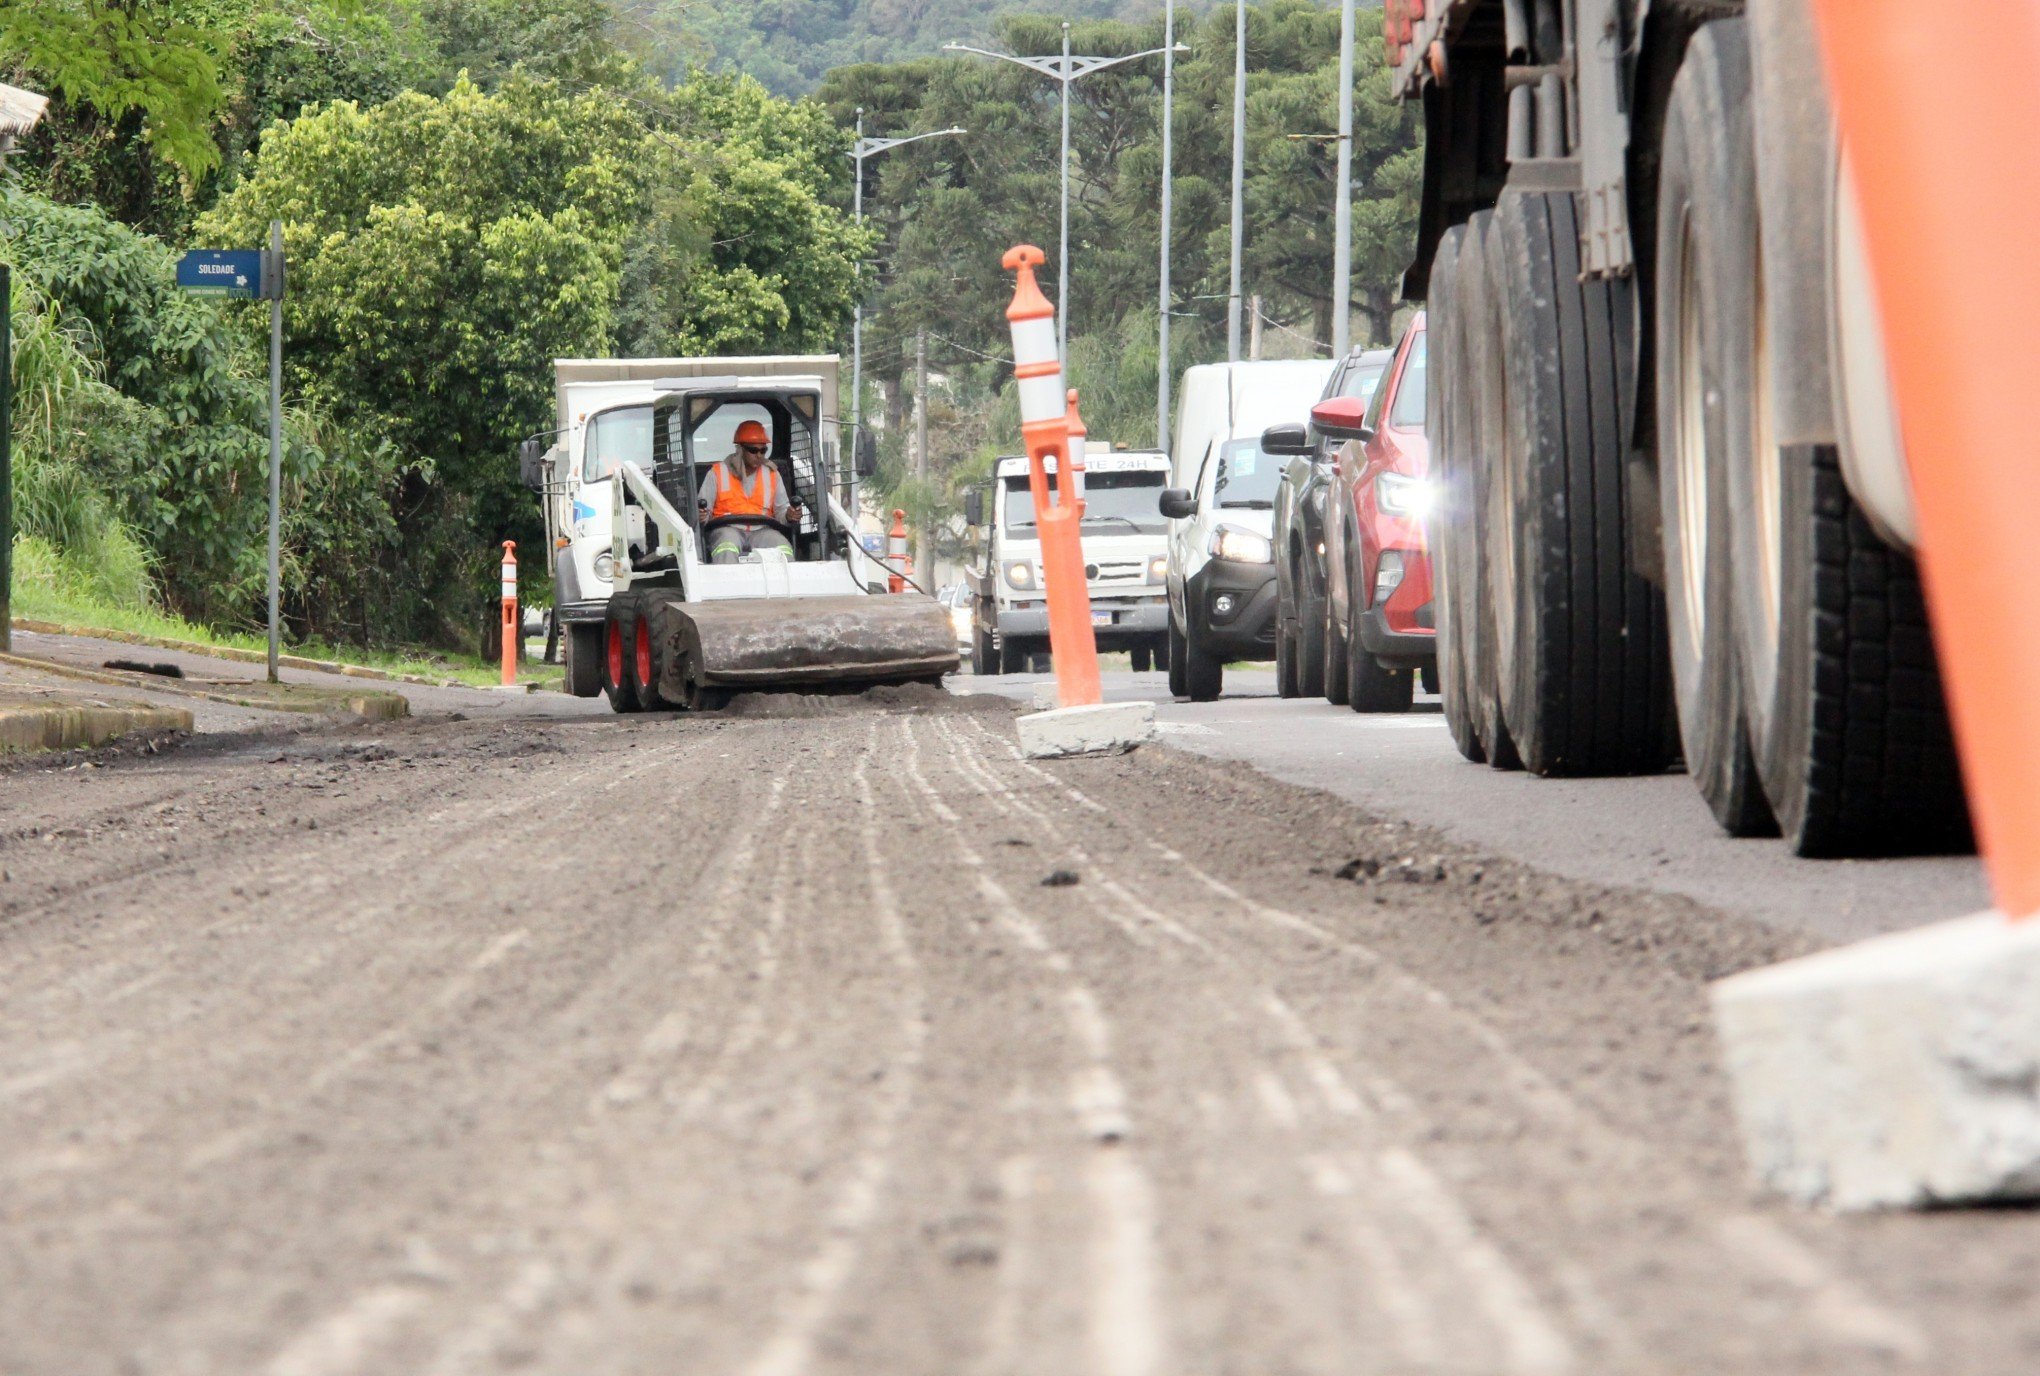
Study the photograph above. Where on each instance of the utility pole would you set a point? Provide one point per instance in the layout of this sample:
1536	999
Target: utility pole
924	543
1239	177
859	151
273	286
1162	369
1342	243
1063	70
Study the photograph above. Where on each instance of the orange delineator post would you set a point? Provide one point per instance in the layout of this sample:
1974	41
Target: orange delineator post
1045	414
513	629
896	557
1948	172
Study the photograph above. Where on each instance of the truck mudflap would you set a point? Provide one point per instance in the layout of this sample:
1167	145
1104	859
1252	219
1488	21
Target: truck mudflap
762	644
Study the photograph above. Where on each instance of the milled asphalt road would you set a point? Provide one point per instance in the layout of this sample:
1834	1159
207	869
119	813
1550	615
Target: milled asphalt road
1651	833
830	1036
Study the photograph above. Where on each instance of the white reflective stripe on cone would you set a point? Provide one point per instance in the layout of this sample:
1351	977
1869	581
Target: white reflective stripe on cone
1034	340
1042	398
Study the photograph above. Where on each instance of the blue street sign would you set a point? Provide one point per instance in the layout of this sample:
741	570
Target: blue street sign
221	271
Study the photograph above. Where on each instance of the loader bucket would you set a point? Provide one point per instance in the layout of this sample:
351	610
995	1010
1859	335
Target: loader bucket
789	644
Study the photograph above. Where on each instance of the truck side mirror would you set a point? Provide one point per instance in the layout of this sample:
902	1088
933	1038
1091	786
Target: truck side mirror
531	464
1177	503
974	506
865	453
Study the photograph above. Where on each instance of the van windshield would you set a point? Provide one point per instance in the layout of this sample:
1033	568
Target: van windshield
620	436
1246	477
1121	503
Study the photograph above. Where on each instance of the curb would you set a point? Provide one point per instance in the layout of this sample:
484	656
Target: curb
231	652
28	729
373	706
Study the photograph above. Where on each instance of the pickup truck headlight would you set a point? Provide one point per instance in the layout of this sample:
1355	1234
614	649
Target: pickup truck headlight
1241	546
1402	495
1158	569
1020	574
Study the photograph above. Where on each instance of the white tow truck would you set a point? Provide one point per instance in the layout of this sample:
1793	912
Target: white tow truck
1126	562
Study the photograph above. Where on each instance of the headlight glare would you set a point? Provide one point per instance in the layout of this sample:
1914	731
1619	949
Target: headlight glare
1158	569
1401	495
1020	574
1241	546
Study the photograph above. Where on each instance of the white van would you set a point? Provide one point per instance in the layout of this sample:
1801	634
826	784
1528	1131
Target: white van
1221	510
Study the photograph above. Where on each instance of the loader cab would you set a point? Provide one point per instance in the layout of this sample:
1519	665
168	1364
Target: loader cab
688	434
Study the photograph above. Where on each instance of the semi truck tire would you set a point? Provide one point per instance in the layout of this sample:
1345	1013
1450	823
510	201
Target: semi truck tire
1143	659
984	651
1579	633
1179	661
1445	419
583	640
1481	317
1012	656
1707	381
616	657
1852	740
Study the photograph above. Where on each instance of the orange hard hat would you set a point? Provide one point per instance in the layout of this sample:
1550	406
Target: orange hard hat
751	432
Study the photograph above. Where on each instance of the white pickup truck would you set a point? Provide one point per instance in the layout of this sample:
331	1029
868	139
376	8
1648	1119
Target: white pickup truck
1126	562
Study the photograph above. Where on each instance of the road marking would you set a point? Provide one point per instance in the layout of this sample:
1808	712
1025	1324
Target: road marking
344	1340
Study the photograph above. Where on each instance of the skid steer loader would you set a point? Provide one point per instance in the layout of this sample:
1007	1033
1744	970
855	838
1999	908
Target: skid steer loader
679	631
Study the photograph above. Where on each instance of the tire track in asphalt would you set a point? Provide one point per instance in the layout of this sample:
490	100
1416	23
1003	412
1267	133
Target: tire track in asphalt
1834	1305
1128	1331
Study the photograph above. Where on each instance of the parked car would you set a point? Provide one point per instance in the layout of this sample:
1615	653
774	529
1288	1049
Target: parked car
1381	631
1299	537
957	601
1221	569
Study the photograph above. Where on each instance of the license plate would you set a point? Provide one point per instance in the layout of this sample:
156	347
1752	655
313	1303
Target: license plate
1101	618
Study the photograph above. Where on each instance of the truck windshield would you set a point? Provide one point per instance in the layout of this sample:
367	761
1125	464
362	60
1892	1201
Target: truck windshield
1121	503
1408	412
620	436
1246	477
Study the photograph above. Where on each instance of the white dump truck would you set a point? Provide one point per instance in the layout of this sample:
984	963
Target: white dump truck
1126	562
644	616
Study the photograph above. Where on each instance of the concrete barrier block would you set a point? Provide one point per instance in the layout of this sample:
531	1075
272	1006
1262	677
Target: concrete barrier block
1897	1072
1108	727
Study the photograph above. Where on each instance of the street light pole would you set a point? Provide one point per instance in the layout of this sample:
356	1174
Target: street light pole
1239	176
862	149
1168	206
1064	70
1342	243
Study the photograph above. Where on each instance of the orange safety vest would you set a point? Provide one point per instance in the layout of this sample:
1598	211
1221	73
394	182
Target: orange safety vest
731	498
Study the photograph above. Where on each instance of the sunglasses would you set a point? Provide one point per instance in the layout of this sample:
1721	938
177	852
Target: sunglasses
754	448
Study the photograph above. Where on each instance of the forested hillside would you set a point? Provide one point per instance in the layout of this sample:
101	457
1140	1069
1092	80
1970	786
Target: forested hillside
790	44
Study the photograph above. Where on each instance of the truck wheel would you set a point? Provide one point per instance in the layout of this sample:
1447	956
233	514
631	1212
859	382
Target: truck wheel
1370	685
1179	658
1448	414
1706	382
583	644
645	668
1012	656
1427	677
1580	641
1143	659
984	651
1482	318
1285	658
1332	647
616	655
1203	671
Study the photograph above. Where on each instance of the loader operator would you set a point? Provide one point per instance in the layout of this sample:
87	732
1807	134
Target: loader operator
746	484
